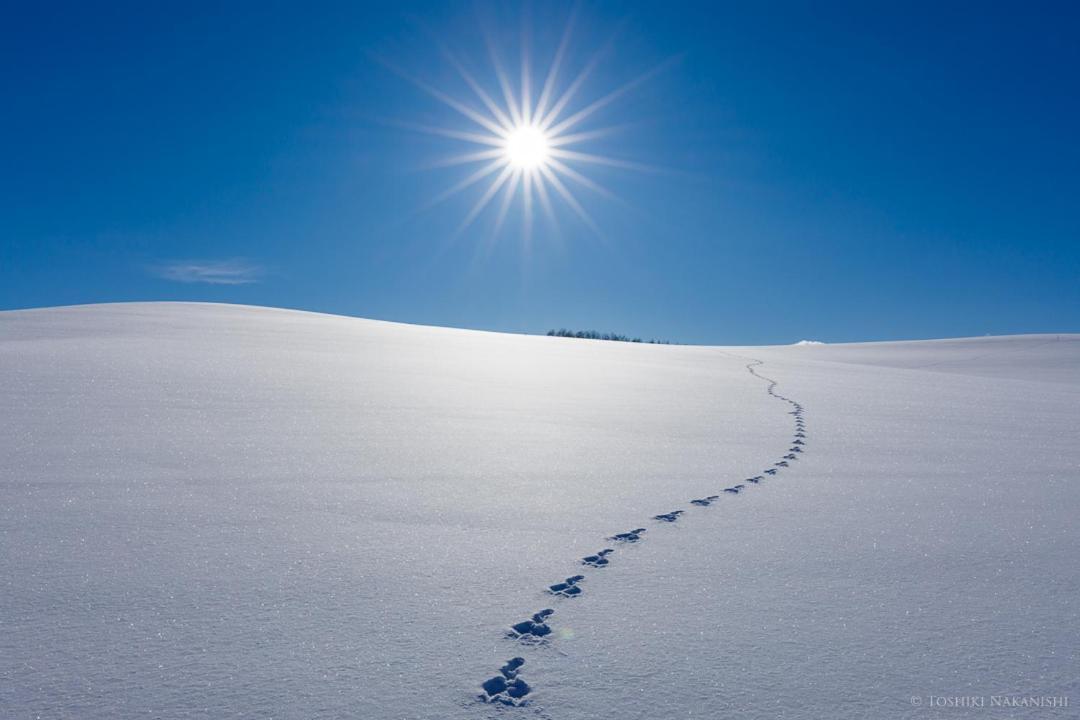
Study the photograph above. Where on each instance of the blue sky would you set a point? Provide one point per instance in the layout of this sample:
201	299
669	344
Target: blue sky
843	172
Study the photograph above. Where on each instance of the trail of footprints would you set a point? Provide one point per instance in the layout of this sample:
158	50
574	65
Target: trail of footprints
508	687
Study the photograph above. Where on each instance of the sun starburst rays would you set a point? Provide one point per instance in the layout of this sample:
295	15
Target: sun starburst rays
521	136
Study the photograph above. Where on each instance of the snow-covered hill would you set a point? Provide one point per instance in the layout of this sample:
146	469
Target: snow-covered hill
221	511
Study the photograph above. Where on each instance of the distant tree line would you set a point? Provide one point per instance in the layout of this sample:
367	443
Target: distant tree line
593	335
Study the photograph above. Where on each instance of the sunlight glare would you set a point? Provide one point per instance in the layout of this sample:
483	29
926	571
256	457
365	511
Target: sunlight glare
527	147
526	143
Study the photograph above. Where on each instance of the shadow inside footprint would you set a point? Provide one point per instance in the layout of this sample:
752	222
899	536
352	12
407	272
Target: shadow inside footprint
506	688
756	479
567	588
734	489
509	670
770	471
669	517
631	536
533	629
705	501
598	560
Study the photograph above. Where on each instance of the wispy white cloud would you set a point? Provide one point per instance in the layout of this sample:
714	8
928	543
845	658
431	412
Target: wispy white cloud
235	271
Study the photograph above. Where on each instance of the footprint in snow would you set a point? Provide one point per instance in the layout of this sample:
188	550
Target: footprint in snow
567	588
669	517
630	537
734	489
705	501
756	479
598	560
534	629
790	456
507	688
770	471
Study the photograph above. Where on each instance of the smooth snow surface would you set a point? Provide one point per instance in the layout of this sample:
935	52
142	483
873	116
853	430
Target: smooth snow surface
214	511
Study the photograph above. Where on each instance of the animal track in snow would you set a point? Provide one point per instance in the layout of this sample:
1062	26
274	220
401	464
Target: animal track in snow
631	536
796	411
507	688
598	560
568	587
534	629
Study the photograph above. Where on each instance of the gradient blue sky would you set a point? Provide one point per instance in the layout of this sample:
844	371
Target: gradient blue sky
838	172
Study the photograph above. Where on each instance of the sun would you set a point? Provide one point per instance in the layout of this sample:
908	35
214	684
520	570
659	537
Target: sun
527	147
528	142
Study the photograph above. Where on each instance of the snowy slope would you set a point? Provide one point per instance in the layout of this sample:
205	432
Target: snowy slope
222	511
